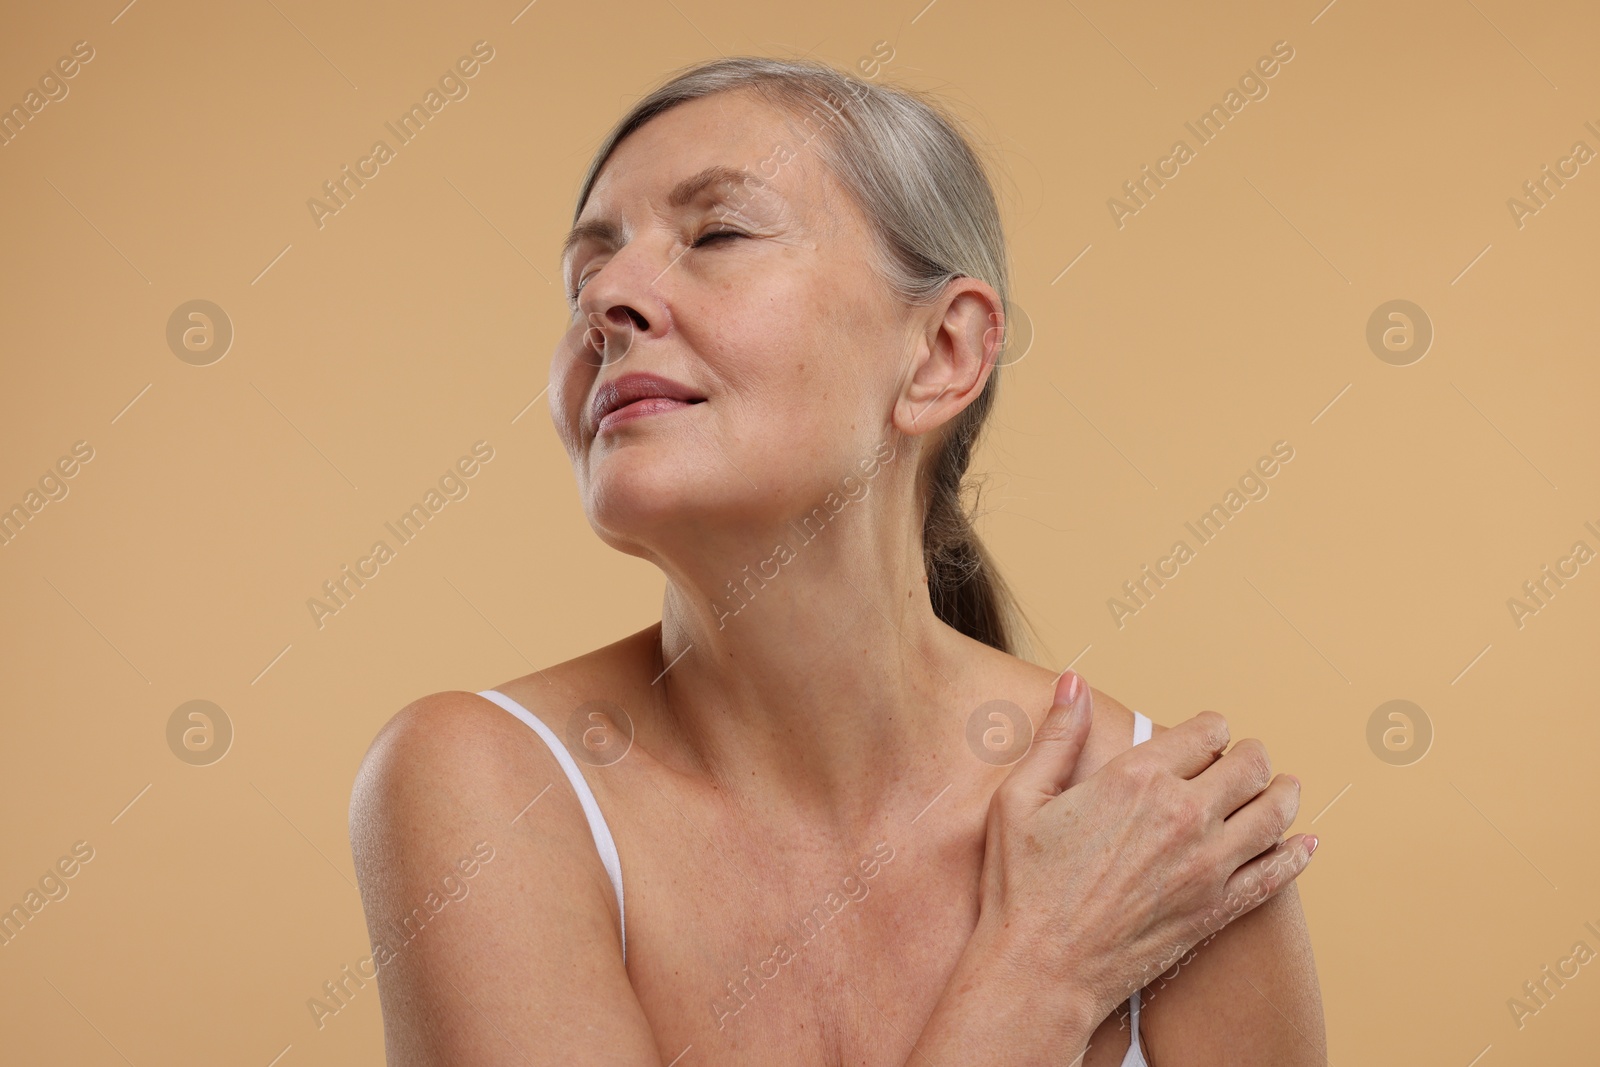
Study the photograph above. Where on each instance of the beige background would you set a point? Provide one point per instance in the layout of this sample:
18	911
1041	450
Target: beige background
369	354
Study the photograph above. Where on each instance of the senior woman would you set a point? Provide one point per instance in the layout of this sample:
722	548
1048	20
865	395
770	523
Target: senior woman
822	812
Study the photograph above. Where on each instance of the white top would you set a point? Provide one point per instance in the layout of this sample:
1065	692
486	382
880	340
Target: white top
607	847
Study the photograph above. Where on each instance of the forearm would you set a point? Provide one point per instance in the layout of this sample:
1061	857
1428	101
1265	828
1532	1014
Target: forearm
994	1010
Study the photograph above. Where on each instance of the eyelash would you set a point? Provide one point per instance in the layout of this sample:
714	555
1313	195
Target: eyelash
575	292
703	238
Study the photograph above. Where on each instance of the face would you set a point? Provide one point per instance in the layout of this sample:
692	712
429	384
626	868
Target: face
759	301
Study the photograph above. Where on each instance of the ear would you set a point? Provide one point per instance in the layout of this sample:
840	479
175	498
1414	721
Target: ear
951	363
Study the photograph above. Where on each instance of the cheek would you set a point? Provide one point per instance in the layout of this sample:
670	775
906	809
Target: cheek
787	335
571	379
812	376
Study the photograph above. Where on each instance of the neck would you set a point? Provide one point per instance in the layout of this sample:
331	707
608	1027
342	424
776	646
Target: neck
811	670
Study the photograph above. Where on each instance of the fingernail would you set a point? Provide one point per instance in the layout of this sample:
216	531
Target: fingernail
1311	845
1074	685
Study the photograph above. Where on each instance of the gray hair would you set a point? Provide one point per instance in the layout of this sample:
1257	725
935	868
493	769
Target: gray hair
914	175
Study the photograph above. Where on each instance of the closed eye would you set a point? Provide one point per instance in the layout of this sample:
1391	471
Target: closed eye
708	237
705	238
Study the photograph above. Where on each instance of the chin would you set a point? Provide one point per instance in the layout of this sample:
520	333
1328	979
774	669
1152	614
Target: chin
632	500
636	501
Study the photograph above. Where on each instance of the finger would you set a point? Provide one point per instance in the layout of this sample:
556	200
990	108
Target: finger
1267	875
1189	747
1236	779
1258	825
1045	768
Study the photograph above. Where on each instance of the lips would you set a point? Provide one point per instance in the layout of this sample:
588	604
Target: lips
634	395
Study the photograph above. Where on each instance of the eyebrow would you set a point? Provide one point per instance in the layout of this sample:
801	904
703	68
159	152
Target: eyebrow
682	194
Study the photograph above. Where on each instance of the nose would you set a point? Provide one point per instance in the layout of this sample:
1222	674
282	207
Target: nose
611	333
621	303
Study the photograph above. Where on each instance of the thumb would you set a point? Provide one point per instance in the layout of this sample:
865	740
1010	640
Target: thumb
1049	762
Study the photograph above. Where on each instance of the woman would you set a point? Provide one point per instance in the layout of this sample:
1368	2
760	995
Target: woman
816	814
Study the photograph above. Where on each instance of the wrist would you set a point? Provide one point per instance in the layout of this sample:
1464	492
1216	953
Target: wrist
1041	985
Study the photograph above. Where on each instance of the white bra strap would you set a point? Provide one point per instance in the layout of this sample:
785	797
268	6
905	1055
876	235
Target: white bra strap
1141	733
603	841
1141	727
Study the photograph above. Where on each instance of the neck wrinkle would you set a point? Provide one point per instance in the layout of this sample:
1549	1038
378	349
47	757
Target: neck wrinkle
831	684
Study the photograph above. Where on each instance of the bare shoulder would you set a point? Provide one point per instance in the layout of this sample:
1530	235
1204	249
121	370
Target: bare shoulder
451	762
1110	735
456	733
445	772
1247	994
1111	731
428	736
492	920
462	748
451	743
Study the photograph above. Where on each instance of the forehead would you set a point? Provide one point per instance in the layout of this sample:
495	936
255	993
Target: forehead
751	150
